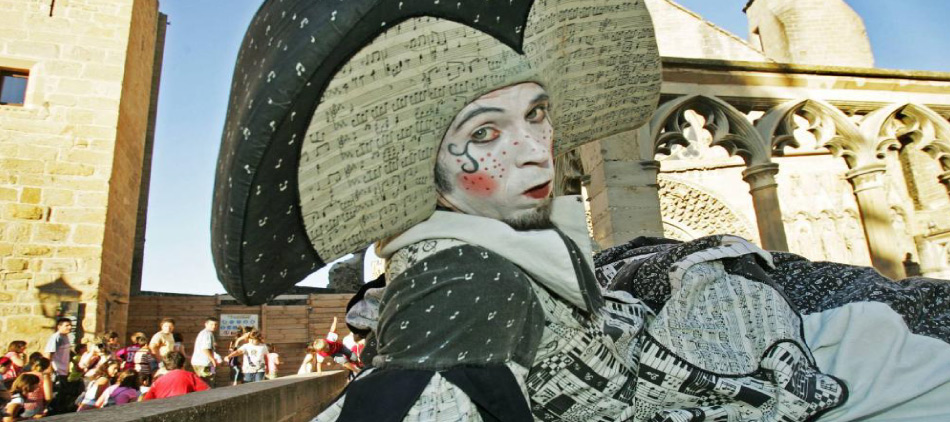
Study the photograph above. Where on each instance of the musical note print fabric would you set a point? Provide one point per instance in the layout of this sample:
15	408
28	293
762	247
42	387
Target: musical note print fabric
725	345
338	107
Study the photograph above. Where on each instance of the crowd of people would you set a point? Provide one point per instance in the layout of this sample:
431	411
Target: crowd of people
102	372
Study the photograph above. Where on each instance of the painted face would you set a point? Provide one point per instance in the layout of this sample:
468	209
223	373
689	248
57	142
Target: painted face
495	159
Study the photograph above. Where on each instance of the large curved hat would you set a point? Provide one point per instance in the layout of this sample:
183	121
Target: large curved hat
338	108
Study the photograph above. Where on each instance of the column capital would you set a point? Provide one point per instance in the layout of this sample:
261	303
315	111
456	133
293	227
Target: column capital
866	177
760	176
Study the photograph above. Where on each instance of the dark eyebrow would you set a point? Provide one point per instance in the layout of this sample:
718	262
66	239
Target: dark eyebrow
542	97
476	112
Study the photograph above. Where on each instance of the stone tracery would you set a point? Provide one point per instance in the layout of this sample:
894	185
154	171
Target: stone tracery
830	127
902	124
731	130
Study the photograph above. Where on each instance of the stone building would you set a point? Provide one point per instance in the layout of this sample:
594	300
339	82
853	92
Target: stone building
791	139
79	85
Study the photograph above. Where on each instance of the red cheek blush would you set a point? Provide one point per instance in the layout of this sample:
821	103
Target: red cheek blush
478	183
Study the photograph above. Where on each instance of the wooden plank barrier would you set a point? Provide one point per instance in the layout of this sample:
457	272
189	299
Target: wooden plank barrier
290	328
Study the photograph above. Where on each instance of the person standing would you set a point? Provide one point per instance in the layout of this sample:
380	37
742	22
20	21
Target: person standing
57	351
204	360
255	354
273	361
57	347
163	341
235	362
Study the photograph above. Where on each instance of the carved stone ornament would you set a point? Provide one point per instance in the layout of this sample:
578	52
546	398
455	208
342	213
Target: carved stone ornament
899	125
690	212
831	128
730	129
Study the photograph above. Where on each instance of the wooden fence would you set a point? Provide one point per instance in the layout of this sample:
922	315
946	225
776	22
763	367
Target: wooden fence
288	327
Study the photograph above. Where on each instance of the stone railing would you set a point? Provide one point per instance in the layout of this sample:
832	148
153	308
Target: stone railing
290	399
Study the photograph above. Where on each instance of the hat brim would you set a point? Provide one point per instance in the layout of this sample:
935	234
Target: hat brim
338	109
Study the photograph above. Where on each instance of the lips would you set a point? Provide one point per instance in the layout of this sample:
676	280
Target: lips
540	191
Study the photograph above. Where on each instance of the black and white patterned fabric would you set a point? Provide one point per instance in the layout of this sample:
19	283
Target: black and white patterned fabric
462	306
723	344
811	287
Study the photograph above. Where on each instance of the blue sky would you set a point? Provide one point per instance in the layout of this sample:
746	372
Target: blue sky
200	48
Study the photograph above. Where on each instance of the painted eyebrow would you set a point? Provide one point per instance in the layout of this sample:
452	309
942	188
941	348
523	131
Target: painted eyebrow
481	110
542	97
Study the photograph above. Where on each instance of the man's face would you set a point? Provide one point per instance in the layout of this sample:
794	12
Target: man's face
64	328
211	325
495	159
168	327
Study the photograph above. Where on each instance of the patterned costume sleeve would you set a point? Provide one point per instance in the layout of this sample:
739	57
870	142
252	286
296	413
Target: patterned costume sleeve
727	343
454	323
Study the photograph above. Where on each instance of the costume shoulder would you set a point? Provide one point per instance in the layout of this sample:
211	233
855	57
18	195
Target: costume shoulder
463	305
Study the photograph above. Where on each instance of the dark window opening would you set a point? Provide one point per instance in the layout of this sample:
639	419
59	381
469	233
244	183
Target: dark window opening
13	86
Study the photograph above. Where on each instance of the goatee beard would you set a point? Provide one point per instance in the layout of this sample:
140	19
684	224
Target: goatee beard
538	218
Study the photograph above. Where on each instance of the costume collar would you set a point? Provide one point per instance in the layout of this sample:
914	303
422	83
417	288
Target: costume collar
541	253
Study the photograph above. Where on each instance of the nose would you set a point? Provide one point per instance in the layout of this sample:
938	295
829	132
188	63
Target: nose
533	145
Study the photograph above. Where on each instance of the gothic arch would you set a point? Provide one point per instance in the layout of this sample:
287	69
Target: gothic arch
910	123
831	128
690	210
730	128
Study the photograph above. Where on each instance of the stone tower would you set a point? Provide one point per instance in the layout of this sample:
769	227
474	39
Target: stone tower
815	32
79	79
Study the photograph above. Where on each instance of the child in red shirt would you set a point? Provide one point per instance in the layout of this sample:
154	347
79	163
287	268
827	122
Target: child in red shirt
176	381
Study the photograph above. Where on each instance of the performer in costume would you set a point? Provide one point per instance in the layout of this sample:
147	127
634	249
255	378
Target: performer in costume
351	121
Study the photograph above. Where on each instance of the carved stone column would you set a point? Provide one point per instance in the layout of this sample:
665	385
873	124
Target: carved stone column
768	212
868	183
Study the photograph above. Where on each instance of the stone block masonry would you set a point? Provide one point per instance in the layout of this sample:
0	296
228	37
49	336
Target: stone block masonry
71	160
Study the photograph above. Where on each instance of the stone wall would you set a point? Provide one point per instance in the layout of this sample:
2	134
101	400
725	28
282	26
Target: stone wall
293	399
57	157
682	33
118	246
818	32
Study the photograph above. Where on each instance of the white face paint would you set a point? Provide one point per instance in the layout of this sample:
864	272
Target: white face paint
496	157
